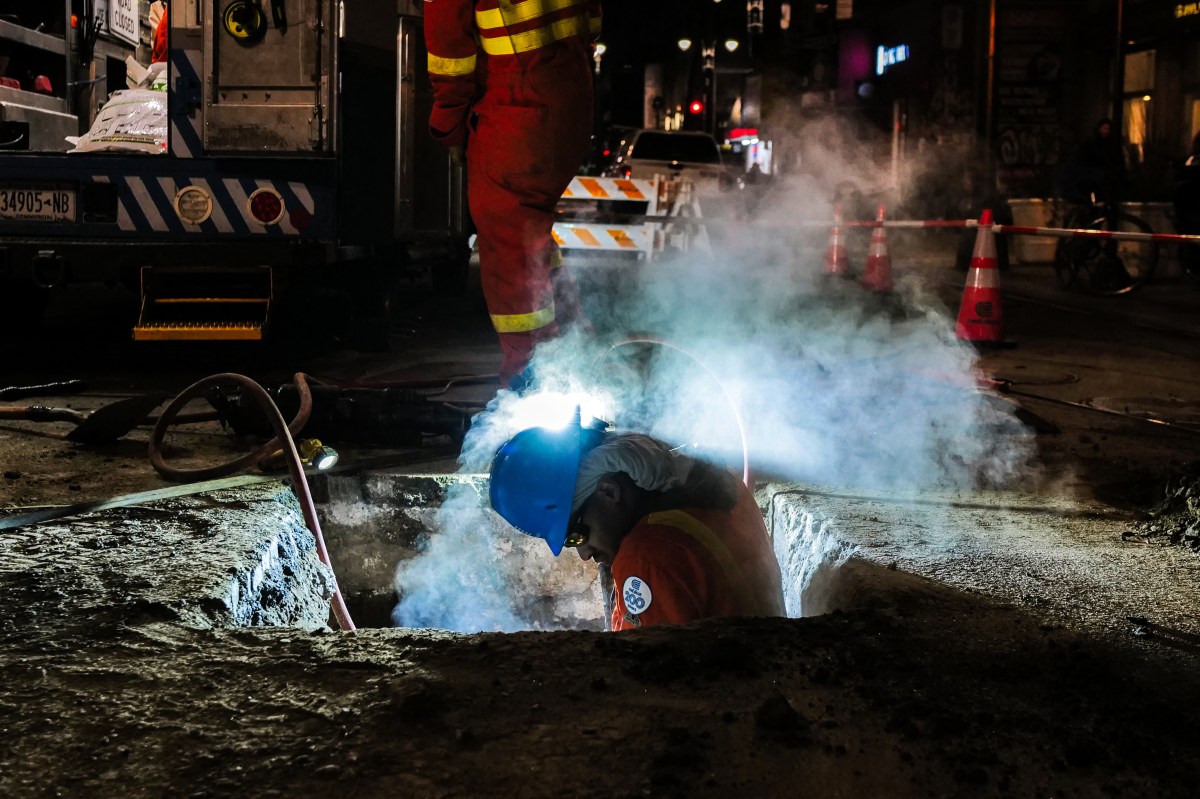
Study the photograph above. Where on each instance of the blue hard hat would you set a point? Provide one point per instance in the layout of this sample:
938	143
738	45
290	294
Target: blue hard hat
533	479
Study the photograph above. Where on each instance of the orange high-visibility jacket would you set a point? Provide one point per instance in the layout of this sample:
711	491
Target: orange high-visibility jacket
468	40
682	565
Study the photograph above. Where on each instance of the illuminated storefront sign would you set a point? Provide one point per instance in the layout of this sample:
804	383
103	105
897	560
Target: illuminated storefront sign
888	57
1187	10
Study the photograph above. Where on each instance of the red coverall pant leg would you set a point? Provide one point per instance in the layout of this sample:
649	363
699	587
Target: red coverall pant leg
531	133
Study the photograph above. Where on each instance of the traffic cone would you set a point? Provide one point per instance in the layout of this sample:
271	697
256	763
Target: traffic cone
981	314
836	263
877	275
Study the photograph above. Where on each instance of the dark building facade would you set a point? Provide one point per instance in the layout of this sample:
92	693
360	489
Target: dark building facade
1011	87
1160	88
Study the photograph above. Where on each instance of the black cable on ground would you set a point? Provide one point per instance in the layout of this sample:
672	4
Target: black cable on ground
1006	388
283	440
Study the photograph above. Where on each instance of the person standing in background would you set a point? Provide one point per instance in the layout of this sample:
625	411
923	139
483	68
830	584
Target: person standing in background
512	85
1186	200
1102	164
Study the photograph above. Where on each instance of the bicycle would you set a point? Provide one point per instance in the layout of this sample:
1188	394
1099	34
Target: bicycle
1107	267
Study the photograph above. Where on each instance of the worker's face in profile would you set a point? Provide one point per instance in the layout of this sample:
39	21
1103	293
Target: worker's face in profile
601	523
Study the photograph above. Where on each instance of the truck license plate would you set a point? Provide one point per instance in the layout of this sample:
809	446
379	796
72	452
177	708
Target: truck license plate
33	204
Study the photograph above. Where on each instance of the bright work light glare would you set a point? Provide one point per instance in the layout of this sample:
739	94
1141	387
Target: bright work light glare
556	410
318	454
731	44
685	44
326	458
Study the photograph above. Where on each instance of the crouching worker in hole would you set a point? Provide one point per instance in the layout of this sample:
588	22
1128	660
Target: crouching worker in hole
676	538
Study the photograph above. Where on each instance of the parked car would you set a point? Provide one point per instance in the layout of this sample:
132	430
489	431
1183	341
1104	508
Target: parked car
645	153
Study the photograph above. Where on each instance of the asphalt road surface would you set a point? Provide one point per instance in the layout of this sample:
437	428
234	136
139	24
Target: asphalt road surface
917	683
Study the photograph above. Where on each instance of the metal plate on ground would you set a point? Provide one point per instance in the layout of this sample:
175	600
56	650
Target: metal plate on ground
1170	409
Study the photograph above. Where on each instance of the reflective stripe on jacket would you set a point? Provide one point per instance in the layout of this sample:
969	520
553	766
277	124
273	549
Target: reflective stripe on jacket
509	36
524	322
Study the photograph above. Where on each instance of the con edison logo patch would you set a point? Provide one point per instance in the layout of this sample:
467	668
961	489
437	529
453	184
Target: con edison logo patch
637	595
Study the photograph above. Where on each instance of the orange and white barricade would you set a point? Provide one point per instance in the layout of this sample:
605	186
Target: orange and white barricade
613	215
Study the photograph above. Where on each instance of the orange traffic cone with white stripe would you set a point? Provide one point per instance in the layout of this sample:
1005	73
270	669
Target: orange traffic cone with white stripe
981	314
877	275
836	263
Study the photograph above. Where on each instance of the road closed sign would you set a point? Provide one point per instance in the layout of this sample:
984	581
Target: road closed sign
123	20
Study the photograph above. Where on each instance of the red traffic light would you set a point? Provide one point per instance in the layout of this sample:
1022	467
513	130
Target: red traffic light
696	107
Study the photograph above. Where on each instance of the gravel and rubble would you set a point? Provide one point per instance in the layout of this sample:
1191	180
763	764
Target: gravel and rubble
1175	520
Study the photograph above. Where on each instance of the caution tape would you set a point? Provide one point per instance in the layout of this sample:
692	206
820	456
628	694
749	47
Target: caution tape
1087	233
1014	230
1018	230
909	223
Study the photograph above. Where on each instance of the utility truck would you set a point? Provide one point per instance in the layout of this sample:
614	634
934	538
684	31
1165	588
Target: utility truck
295	181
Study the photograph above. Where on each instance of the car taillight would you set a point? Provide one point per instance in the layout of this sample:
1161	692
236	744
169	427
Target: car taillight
627	171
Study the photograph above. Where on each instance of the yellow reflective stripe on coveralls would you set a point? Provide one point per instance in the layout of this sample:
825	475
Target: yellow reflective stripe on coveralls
534	39
702	533
452	67
523	322
512	14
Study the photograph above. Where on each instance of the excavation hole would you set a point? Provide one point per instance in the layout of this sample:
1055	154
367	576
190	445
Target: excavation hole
475	573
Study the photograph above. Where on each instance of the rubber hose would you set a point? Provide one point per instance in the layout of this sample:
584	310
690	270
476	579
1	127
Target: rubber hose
747	479
283	440
40	413
171	412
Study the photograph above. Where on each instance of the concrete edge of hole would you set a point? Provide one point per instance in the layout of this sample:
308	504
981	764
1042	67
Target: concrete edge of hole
235	557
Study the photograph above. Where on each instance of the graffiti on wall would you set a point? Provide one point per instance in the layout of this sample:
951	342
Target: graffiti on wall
1029	120
1028	86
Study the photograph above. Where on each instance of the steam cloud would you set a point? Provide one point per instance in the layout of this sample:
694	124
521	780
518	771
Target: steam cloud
834	387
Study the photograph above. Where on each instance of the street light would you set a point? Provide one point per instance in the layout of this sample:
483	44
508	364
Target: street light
597	53
731	45
685	44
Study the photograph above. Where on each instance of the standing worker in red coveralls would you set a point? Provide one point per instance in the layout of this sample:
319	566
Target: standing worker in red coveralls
684	539
512	86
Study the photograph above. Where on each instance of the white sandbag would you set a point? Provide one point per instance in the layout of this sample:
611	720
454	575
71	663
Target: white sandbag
140	77
133	120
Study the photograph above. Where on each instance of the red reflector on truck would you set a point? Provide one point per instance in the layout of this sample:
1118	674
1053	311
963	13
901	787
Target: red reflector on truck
266	206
